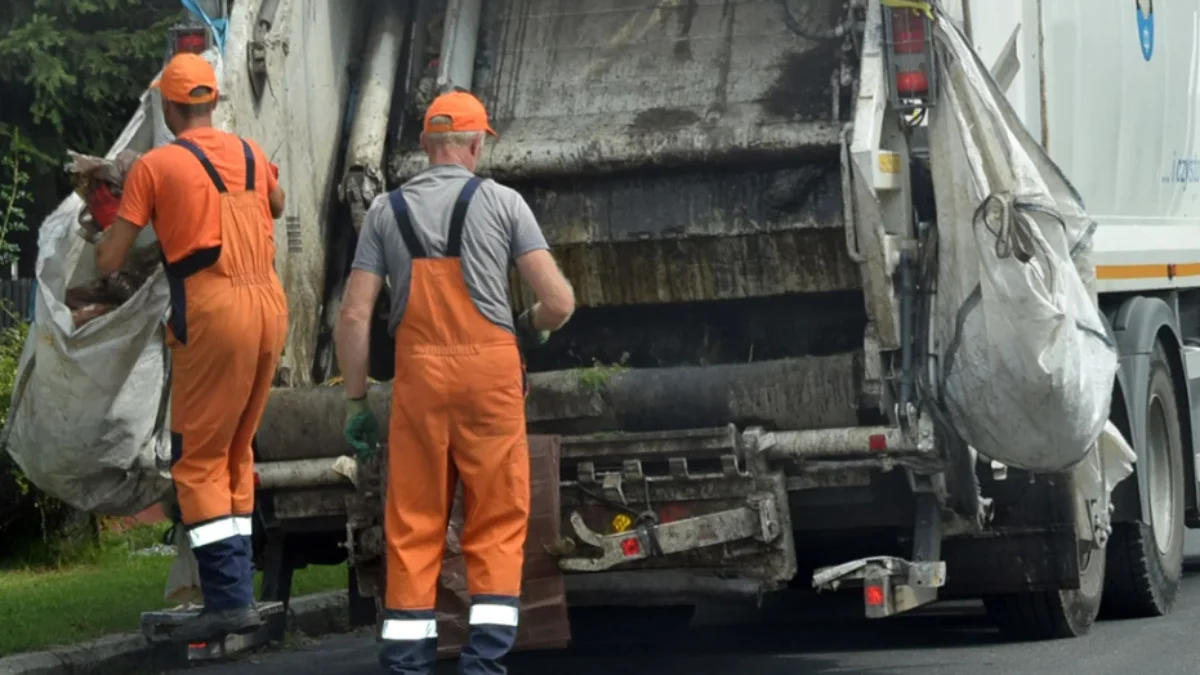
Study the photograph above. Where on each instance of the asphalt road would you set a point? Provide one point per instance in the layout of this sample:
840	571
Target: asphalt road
954	640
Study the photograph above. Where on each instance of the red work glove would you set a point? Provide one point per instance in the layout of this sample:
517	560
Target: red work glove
104	205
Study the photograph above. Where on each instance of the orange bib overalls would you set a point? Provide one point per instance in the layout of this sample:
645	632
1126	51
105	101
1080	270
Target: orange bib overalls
228	326
458	412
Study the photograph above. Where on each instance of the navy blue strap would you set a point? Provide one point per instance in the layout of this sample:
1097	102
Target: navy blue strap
400	211
212	171
249	165
459	217
208	167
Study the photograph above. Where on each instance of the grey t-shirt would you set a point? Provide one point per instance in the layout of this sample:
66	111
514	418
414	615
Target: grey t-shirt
499	228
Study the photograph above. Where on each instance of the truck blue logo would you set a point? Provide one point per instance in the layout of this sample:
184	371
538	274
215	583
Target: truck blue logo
1145	21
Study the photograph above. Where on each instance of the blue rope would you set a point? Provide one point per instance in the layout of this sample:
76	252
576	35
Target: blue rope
217	26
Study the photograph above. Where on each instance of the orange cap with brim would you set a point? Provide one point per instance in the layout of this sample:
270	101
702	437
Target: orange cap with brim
183	75
466	113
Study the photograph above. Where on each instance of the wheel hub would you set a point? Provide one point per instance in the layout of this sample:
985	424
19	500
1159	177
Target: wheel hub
1160	479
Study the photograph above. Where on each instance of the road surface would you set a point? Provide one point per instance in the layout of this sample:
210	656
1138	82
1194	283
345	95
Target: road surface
943	642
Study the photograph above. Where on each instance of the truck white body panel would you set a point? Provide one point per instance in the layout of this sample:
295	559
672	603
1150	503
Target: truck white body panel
300	123
1119	115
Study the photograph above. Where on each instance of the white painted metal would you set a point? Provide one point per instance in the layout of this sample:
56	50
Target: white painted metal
368	130
461	32
299	123
299	473
1121	111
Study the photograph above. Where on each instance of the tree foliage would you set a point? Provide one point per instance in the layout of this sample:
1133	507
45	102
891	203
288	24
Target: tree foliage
70	72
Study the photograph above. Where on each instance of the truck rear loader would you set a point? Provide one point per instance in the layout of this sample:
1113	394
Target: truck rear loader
742	194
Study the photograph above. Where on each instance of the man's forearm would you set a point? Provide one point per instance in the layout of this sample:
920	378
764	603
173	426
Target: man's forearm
551	317
353	340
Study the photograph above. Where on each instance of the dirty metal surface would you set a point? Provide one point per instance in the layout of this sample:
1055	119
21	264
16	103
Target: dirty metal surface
693	203
706	333
799	393
599	86
708	268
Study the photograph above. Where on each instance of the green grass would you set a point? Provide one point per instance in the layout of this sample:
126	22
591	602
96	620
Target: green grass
103	593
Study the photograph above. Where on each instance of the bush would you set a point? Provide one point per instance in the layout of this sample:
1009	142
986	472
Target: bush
35	528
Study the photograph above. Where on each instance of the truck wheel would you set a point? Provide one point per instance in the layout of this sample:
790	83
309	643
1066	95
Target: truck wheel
1146	561
1051	615
363	610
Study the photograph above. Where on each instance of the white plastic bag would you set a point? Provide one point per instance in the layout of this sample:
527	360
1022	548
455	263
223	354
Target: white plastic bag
89	418
1027	365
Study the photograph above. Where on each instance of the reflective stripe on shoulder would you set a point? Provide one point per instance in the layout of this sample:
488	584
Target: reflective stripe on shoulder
409	630
213	532
494	615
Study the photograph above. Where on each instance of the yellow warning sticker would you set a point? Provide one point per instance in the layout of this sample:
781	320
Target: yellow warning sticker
621	522
889	162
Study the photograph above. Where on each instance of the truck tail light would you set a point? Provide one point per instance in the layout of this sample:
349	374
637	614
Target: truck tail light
189	39
909	55
874	596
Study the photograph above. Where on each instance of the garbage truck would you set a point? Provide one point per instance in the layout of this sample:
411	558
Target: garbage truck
880	295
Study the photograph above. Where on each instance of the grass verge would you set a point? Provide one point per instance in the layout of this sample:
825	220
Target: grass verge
104	593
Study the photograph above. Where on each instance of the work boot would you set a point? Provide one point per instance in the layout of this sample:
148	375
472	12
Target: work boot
216	625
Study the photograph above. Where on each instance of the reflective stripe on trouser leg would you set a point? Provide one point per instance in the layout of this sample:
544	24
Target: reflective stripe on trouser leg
223	562
493	632
409	641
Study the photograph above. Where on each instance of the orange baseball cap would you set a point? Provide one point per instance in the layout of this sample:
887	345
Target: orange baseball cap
184	73
466	113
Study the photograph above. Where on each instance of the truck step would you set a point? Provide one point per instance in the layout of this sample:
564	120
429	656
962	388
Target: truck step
157	627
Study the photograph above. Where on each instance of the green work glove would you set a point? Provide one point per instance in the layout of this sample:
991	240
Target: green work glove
529	337
362	429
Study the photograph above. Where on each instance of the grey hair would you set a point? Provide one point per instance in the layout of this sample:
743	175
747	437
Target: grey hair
451	138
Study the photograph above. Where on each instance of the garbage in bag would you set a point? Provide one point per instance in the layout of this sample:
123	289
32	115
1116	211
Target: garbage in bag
99	183
1027	363
88	422
104	294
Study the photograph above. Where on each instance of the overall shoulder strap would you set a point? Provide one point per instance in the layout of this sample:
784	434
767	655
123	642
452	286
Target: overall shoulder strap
459	217
208	167
404	222
250	165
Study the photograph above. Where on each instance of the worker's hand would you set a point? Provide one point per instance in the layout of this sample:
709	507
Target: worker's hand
529	337
362	429
274	170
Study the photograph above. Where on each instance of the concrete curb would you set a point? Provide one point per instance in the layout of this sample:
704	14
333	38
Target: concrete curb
129	653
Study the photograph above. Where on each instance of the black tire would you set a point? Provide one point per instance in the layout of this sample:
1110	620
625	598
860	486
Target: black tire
1143	578
362	609
1052	615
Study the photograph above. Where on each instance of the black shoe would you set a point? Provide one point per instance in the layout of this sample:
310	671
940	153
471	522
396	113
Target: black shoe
216	625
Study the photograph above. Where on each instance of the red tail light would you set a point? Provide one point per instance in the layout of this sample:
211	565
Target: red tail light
908	32
191	41
631	547
873	595
908	36
910	56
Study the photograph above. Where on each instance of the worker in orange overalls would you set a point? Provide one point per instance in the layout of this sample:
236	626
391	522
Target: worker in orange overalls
212	197
446	241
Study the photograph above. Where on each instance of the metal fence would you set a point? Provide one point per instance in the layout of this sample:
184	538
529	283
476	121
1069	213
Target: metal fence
16	301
